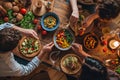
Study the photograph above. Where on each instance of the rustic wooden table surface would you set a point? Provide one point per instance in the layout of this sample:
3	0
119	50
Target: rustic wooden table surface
63	11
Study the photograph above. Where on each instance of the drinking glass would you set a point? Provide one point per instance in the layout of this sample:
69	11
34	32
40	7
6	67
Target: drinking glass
54	56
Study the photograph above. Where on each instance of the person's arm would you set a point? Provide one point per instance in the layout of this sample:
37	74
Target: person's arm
84	54
113	75
6	25
28	32
87	22
75	13
24	70
74	5
78	49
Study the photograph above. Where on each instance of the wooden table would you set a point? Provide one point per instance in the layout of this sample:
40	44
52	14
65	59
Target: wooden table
62	9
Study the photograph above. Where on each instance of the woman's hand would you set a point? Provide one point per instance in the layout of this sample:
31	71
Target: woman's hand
46	49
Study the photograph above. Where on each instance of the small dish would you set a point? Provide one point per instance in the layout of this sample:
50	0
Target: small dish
113	44
71	64
50	21
29	47
63	39
90	41
118	52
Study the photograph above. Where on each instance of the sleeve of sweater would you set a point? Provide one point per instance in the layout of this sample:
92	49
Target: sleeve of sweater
6	25
23	70
27	69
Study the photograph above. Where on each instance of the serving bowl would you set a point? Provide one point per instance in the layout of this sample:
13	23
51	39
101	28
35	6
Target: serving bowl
90	41
29	47
71	64
63	39
118	52
50	21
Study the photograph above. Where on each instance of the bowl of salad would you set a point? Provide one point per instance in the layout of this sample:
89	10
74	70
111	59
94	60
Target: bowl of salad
50	21
63	39
29	47
71	64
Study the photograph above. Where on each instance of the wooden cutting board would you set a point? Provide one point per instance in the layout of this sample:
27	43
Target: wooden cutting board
44	7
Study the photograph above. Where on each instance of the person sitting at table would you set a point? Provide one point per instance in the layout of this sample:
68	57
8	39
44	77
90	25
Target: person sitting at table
105	12
9	38
93	68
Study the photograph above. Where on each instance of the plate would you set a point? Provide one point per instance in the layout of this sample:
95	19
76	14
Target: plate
50	21
71	64
29	47
63	39
90	41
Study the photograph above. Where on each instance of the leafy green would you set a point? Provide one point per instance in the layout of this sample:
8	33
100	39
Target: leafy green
1	21
118	70
68	36
26	22
10	14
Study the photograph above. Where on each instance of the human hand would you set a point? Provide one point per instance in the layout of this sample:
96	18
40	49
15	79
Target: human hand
77	48
46	48
87	21
27	32
74	18
30	32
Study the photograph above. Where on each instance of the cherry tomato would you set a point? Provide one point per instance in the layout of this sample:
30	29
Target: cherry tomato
44	32
104	49
6	19
113	51
81	32
35	21
113	62
104	42
23	11
39	27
